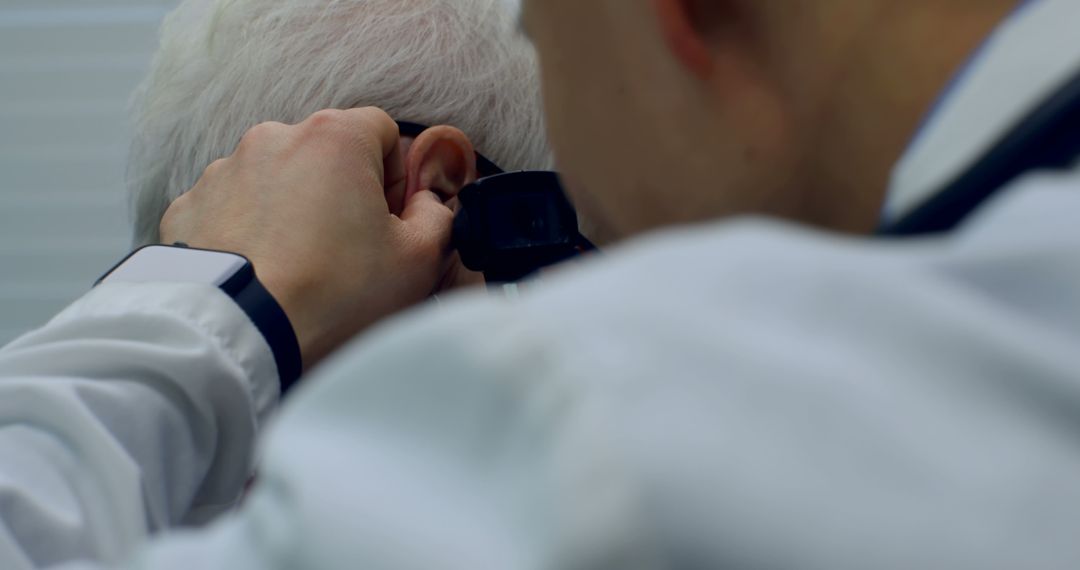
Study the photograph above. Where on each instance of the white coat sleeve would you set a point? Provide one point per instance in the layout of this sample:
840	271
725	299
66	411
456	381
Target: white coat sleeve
132	411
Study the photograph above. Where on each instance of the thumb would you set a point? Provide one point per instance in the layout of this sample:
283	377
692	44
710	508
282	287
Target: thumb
428	218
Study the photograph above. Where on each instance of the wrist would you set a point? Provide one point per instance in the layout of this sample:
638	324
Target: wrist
308	328
299	299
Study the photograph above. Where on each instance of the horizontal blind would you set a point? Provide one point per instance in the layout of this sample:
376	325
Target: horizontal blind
67	70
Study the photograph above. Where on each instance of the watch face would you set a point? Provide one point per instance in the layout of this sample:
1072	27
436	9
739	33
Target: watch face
175	264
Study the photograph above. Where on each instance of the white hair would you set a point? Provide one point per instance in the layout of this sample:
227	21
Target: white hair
227	65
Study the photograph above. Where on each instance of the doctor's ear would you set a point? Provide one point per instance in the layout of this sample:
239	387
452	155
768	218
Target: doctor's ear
441	160
704	36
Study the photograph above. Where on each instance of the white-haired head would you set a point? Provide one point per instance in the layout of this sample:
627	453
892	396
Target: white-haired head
227	65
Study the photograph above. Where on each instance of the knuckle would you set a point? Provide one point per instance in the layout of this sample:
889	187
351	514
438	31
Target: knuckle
372	120
375	116
340	134
214	169
329	127
170	219
380	116
260	135
326	120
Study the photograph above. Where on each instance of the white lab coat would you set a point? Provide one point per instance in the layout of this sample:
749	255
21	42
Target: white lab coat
740	395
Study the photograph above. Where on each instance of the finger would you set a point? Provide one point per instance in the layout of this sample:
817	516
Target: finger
427	218
378	132
395	179
379	129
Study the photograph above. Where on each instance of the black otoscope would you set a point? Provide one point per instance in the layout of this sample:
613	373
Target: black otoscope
513	224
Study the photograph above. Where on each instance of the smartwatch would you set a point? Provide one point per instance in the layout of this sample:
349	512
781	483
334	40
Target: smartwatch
232	273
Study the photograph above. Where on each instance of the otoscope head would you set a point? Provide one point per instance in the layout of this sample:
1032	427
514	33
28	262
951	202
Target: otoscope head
514	224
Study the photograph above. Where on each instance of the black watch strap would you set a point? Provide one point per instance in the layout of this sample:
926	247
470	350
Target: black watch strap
275	327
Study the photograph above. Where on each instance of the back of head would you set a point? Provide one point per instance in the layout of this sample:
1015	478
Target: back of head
227	65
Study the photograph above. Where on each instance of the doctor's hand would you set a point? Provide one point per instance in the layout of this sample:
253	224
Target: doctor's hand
309	205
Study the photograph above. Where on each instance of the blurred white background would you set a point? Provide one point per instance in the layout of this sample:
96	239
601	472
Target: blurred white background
67	70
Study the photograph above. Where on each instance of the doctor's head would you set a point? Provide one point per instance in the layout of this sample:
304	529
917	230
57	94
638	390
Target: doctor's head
227	65
794	108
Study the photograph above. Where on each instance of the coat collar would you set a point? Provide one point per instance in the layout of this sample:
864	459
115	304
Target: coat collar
1025	60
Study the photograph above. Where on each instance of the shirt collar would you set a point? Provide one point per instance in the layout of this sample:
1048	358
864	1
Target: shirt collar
1029	56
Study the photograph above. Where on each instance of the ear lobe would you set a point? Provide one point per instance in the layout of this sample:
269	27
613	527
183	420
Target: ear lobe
683	37
441	160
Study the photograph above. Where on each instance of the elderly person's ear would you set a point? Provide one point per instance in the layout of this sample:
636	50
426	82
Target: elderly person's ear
441	160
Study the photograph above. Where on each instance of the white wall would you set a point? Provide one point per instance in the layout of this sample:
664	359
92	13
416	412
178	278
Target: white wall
67	68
